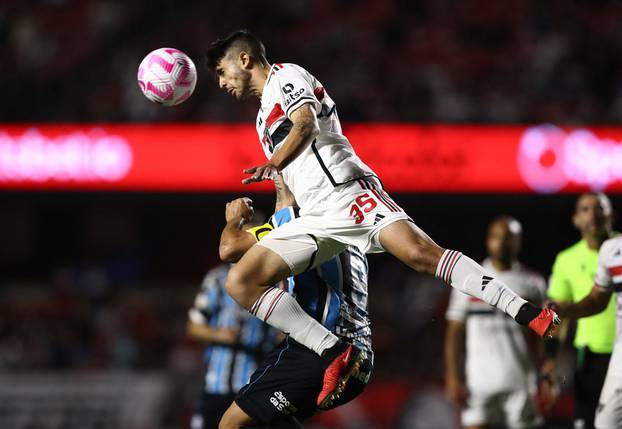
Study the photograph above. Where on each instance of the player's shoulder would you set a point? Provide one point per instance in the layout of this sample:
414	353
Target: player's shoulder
278	77
284	68
612	247
568	254
284	71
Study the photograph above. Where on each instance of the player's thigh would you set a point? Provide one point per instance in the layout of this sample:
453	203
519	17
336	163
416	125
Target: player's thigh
235	418
259	266
303	243
609	411
411	245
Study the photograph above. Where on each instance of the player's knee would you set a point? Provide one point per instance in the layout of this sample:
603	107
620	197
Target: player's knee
415	258
241	287
236	285
424	256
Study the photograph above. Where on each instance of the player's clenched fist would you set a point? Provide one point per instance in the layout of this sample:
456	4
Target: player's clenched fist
240	210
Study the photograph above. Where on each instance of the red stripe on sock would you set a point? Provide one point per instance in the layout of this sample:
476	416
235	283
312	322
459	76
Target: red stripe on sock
443	262
446	265
257	304
452	265
273	304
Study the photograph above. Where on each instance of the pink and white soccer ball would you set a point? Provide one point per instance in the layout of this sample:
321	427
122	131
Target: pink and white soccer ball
167	76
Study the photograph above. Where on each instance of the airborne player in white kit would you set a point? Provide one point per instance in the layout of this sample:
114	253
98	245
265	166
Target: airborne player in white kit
342	203
608	280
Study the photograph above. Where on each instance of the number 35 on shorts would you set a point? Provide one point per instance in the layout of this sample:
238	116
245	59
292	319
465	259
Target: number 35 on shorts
363	204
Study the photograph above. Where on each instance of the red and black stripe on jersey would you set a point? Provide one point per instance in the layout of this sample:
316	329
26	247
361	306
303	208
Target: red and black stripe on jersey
271	139
615	271
281	132
275	114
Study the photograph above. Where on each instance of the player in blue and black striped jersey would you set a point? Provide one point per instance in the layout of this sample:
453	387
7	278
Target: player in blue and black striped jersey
285	386
236	343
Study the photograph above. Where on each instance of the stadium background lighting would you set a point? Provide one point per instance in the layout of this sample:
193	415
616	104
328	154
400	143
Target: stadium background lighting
408	158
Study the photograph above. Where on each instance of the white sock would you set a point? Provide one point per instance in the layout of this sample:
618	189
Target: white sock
279	309
468	276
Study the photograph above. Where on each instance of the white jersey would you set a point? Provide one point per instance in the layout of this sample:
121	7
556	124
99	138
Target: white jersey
326	163
497	357
609	277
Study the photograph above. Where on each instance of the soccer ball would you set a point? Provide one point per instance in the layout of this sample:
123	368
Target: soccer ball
167	76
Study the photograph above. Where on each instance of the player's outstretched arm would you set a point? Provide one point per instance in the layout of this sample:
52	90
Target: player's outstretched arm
305	129
592	304
234	240
207	334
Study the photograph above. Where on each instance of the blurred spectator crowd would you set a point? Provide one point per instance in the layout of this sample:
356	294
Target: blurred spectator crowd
425	61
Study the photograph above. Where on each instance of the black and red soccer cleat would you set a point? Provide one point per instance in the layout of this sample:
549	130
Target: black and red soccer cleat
542	321
342	361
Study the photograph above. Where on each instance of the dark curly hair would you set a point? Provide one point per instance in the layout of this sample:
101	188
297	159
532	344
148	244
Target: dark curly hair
243	40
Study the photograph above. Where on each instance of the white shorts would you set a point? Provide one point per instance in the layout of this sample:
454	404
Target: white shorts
609	411
355	213
514	409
